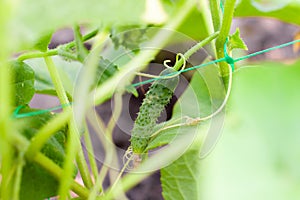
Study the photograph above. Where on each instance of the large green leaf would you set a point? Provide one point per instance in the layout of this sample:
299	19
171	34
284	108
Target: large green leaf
37	183
181	179
258	155
287	11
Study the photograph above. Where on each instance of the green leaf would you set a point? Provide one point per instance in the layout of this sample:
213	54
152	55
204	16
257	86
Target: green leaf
68	71
236	42
37	183
23	82
43	42
287	11
181	179
35	18
258	154
105	70
130	37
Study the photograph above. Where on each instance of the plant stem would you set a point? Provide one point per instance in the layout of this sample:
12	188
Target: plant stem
98	125
110	155
84	38
215	14
18	176
61	93
54	52
224	32
194	49
207	22
199	45
72	139
30	55
83	168
90	152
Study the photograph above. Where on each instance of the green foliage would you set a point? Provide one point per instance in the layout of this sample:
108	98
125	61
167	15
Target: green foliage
23	82
37	183
105	70
181	179
256	126
156	99
236	42
130	37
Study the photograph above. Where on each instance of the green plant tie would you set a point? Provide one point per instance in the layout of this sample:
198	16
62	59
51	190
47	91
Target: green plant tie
227	57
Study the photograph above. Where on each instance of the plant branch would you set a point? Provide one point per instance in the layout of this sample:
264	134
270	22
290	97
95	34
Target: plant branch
72	139
54	52
83	168
61	93
224	32
194	49
215	14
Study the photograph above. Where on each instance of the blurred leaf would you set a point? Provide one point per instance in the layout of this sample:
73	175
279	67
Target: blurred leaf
32	19
105	70
236	42
181	179
37	183
194	26
287	11
130	37
68	71
258	155
23	82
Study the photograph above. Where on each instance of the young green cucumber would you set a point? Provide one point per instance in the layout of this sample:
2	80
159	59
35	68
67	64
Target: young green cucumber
157	97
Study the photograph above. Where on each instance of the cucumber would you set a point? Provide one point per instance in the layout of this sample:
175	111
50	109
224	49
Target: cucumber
157	97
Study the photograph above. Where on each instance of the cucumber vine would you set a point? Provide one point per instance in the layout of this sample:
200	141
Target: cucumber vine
41	151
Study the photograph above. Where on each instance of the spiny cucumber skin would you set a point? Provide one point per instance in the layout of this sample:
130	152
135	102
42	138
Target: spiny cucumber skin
158	96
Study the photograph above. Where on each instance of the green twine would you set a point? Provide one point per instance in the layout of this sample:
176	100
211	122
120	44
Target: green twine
227	59
39	112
